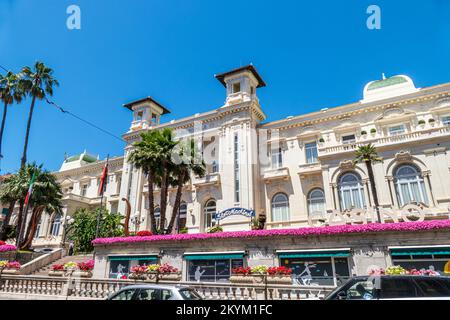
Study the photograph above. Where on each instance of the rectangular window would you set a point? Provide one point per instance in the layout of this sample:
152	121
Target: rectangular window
277	158
325	271
236	87
311	152
236	169
212	270
84	190
446	121
395	130
348	139
139	115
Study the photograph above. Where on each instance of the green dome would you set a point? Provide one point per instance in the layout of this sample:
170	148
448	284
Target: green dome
85	157
387	82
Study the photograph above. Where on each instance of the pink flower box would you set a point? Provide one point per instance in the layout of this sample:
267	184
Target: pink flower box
298	232
7	247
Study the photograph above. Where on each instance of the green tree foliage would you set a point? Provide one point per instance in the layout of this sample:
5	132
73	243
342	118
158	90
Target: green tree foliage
82	230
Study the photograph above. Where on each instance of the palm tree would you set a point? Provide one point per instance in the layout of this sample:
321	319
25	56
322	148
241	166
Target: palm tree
165	145
47	197
369	155
144	156
190	161
10	92
37	83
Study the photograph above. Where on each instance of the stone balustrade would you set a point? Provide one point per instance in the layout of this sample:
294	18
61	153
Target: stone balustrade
34	287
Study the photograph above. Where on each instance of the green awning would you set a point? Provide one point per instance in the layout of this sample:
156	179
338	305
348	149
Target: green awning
123	258
314	254
421	251
222	256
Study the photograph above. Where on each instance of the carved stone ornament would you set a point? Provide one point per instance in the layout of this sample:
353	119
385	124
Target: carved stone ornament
346	165
403	156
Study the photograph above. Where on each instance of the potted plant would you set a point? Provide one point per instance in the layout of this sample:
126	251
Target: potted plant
70	267
152	272
259	273
138	273
144	233
373	131
421	123
321	141
241	275
85	269
57	270
279	275
215	229
431	121
364	133
183	230
11	267
168	272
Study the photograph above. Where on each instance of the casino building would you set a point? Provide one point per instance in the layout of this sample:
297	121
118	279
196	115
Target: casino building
293	173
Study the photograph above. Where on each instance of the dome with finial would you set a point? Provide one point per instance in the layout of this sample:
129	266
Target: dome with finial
79	160
388	88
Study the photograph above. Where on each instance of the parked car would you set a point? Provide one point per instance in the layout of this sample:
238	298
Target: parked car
390	287
155	292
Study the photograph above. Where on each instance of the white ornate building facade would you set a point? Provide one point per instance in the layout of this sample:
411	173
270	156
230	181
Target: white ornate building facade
295	171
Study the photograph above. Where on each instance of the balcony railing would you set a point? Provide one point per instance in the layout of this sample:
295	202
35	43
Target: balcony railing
75	288
208	179
274	174
385	141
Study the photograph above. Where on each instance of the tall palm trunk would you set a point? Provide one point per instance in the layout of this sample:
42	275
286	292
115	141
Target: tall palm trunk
176	205
374	189
37	212
25	146
5	225
151	202
164	191
5	110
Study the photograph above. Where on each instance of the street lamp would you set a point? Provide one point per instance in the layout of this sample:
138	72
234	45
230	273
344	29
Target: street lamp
136	220
68	220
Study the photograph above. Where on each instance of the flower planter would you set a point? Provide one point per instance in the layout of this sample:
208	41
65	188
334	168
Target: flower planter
134	276
151	277
11	271
170	276
56	273
279	279
241	278
84	274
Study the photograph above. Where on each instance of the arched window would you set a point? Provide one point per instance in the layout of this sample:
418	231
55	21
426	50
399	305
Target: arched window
351	191
182	215
280	207
316	202
56	225
209	211
409	185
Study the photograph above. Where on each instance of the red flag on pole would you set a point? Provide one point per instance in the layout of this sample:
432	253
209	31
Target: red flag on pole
103	180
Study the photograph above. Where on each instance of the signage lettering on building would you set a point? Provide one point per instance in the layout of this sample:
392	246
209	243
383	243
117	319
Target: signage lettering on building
235	212
410	212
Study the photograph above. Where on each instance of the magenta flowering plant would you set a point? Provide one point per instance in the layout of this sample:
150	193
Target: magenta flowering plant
167	268
86	266
13	265
297	232
7	247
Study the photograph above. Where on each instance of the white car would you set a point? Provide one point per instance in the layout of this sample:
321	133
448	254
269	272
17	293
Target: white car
155	292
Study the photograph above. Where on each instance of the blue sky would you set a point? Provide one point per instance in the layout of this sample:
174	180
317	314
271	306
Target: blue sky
312	54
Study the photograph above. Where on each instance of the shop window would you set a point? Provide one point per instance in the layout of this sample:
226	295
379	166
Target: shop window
316	202
280	207
409	185
212	270
318	271
119	268
311	152
351	191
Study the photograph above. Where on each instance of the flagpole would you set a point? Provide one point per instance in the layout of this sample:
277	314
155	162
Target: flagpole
25	211
97	229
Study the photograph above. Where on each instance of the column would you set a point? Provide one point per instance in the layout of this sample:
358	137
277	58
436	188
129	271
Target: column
426	177
392	193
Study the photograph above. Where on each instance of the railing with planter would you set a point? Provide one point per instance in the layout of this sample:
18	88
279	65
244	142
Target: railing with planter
82	288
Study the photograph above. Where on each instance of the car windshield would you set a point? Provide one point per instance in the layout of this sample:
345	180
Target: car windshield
190	294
